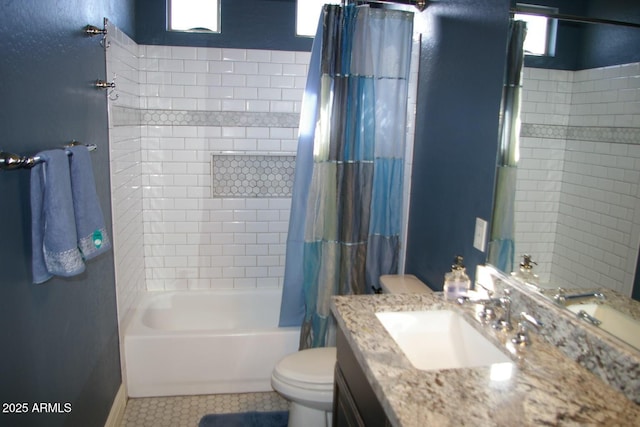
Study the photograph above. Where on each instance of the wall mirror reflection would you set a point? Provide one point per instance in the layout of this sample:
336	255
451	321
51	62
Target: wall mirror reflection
568	182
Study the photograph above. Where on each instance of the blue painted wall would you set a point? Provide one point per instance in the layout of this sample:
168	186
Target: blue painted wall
246	24
605	45
60	339
454	161
583	46
270	24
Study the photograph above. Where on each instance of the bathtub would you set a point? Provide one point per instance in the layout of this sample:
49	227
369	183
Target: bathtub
205	342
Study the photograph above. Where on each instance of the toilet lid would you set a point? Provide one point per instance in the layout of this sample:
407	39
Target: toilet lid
311	366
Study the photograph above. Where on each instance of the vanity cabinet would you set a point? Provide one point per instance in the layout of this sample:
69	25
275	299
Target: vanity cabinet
354	402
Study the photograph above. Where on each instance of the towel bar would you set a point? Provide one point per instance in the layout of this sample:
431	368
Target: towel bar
10	161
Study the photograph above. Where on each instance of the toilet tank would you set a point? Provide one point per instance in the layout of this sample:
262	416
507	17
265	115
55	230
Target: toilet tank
402	284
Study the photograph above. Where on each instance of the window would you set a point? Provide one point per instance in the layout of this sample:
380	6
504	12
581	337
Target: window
194	15
541	31
307	14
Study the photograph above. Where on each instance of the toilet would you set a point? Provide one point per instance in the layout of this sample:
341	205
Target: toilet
305	378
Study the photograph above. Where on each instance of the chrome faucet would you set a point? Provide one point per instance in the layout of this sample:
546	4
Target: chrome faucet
526	322
504	323
487	313
561	298
488	304
589	318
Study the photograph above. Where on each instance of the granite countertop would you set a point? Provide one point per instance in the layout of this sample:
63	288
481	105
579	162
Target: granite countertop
545	388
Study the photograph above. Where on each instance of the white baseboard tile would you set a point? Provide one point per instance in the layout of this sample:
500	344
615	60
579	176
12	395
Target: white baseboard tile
117	409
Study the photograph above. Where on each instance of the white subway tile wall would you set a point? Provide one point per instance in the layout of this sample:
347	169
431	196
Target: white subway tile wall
212	79
192	103
197	101
537	200
607	97
546	96
126	170
578	205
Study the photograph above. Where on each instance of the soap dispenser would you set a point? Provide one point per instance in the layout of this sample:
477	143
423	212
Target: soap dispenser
525	273
456	282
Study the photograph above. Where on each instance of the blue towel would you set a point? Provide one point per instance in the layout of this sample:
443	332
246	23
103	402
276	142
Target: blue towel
93	239
246	419
53	229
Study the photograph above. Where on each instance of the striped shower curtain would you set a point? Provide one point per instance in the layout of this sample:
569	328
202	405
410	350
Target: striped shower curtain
353	199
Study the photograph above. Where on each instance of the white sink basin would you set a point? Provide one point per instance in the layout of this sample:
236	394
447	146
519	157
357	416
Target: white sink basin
616	323
440	339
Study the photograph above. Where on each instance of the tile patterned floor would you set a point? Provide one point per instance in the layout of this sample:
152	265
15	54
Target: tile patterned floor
186	411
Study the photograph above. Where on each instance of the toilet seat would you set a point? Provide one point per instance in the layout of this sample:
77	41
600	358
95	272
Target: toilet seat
310	368
307	377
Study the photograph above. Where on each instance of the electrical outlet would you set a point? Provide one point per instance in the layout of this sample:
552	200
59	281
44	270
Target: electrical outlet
480	235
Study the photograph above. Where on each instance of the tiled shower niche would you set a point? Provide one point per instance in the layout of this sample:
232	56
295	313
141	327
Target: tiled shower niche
252	175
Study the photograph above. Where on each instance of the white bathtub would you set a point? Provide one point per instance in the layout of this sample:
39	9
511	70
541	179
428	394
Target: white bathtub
204	342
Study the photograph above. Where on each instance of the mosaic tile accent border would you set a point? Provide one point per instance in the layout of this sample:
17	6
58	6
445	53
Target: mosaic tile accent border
219	118
243	175
123	116
612	134
533	130
621	135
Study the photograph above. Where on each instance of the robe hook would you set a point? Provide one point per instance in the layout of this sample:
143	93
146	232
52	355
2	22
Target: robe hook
92	30
109	86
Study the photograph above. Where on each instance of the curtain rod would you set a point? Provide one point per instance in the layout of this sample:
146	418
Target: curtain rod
419	4
574	18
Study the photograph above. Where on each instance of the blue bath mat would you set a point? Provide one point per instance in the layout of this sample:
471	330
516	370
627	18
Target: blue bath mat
246	419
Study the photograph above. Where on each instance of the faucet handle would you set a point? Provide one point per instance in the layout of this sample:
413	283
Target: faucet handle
504	323
526	321
487	312
559	298
524	316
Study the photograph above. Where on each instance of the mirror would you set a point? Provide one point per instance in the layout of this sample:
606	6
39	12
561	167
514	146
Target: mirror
577	192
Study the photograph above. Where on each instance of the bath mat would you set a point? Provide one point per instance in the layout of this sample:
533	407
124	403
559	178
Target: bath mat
246	419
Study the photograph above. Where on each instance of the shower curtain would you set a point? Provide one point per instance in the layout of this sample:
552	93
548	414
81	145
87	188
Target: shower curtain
347	197
502	244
